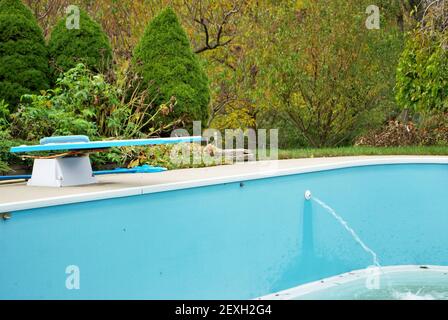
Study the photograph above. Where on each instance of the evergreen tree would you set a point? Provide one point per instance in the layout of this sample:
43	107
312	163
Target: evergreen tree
23	54
87	44
169	67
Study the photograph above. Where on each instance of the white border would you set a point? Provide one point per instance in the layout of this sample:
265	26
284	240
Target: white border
334	281
260	174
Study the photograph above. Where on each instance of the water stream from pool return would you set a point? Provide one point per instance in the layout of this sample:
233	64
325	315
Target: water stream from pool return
350	230
392	293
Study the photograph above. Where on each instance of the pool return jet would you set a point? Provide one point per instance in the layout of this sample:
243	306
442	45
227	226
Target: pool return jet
72	167
309	197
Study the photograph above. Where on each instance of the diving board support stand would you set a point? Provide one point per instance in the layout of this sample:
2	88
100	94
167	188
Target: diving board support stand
62	172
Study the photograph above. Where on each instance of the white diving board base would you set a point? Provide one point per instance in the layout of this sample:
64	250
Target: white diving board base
62	172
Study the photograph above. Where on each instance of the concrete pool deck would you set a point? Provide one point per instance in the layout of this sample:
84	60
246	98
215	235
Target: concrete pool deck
19	196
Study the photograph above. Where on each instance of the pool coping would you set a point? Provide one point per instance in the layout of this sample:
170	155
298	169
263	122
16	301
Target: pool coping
258	170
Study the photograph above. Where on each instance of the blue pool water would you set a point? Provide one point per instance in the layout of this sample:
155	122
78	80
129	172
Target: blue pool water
228	241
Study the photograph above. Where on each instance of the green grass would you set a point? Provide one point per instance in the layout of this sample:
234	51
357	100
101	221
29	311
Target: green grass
361	151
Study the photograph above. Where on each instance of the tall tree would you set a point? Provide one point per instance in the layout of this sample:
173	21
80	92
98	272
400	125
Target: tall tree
324	71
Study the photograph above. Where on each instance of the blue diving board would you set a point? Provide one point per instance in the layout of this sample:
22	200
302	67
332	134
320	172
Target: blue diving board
80	144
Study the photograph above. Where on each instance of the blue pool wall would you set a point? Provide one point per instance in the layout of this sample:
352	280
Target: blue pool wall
227	241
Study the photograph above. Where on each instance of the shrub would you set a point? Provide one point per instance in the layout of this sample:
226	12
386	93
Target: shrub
9	160
23	55
88	45
15	7
164	58
84	103
4	115
422	74
41	116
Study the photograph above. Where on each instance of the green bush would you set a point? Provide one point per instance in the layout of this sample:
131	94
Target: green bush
84	103
4	115
42	116
167	64
23	55
10	160
88	45
422	74
15	7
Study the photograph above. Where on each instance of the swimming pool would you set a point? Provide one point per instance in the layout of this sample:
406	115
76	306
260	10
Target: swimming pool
237	238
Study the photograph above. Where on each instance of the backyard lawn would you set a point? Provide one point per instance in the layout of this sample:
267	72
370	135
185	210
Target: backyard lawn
361	151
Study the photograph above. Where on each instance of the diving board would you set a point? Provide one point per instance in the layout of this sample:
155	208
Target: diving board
73	168
58	146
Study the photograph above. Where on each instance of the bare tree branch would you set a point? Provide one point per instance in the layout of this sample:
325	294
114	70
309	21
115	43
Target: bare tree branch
197	11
